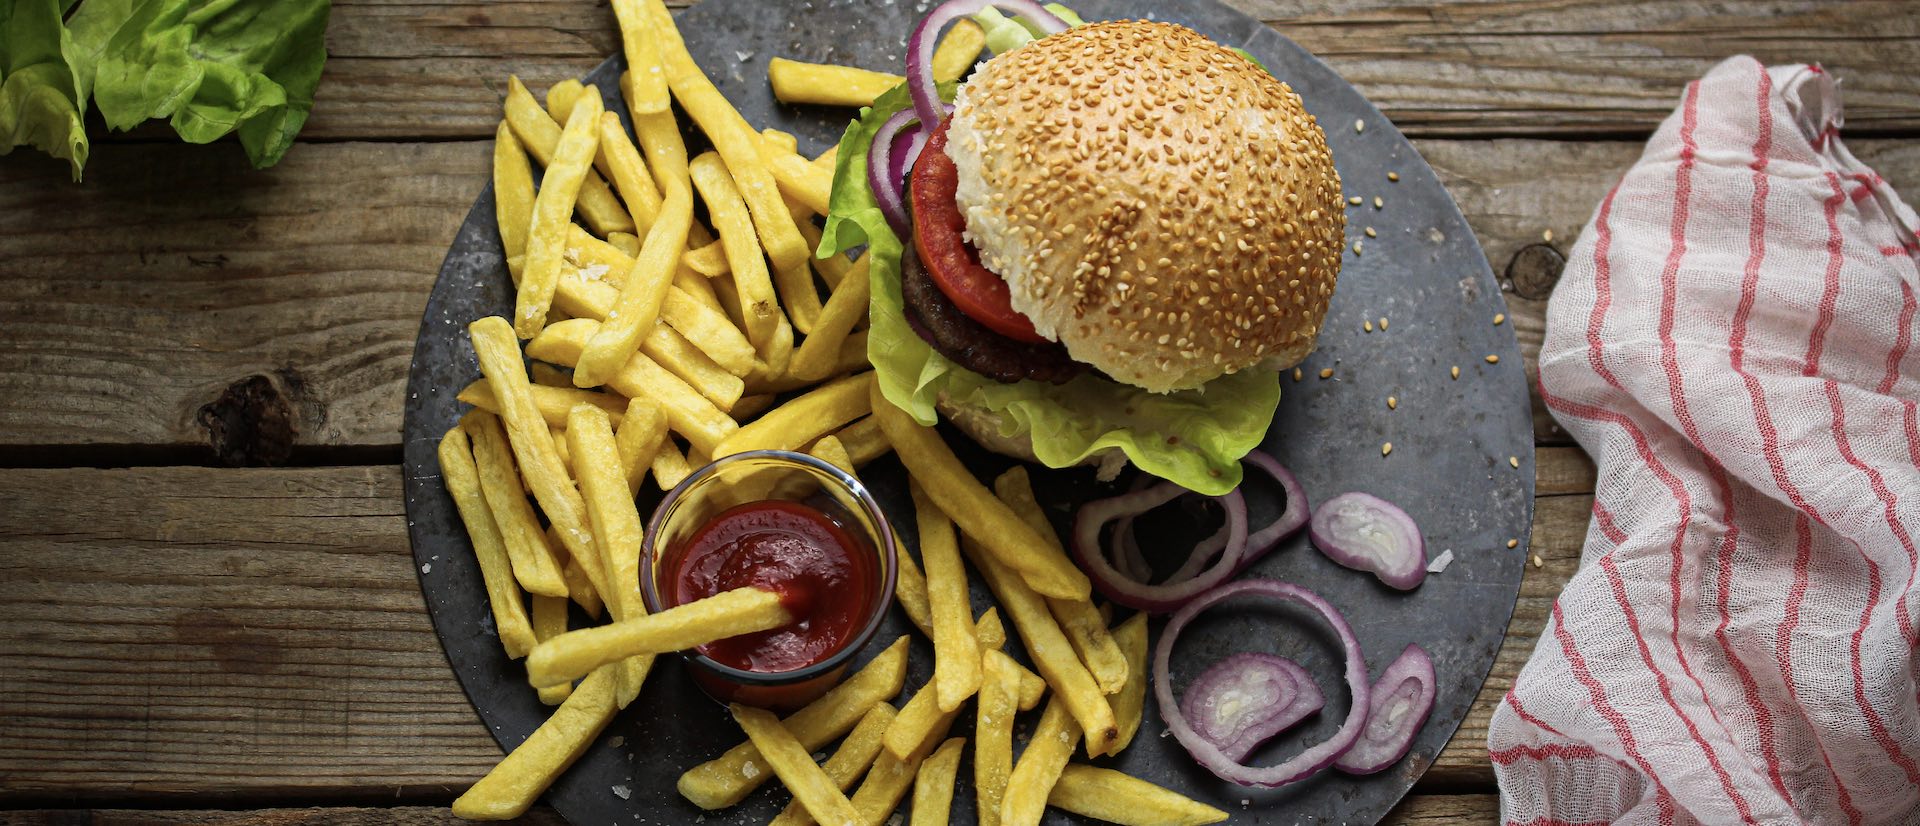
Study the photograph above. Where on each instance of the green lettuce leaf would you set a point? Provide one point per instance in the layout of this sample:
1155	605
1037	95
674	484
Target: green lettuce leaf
1004	34
1194	437
210	66
42	95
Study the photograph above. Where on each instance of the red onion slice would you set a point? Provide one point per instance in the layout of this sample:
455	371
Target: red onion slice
920	46
1156	599
1367	533
1292	518
1308	762
1244	700
1402	699
886	171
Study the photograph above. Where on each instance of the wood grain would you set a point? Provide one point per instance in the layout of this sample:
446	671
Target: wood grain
401	69
231	636
169	277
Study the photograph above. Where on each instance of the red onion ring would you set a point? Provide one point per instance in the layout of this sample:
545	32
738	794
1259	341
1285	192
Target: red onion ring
1308	762
1401	700
1259	543
1367	533
920	82
1157	599
889	186
1248	698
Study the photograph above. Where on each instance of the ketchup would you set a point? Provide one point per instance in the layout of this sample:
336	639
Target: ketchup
824	576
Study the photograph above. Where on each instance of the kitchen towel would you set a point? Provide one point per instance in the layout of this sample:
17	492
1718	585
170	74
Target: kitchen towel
1732	344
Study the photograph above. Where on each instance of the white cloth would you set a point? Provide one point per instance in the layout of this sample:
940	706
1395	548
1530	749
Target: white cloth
1732	343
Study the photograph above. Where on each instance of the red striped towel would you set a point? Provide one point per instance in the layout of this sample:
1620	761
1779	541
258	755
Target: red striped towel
1730	342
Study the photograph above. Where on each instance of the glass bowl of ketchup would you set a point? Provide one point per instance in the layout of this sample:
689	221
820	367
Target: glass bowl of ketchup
788	523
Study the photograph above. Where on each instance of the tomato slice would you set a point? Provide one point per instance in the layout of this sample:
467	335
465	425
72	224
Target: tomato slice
952	262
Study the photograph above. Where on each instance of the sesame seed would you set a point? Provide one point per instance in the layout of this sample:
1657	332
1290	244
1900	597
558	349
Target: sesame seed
1514	461
1393	176
1296	374
1383	324
1379	202
1370	233
1499	318
1547	236
1456	372
1359	126
1513	543
1386	448
1537	561
1326	372
1356	248
1493	359
1367	325
1356	200
1393	403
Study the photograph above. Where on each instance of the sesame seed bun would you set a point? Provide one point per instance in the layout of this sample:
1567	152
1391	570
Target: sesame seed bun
1161	206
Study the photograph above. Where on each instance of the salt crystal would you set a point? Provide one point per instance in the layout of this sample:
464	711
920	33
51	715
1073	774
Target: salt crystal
1440	562
616	741
744	56
749	771
592	273
622	792
426	568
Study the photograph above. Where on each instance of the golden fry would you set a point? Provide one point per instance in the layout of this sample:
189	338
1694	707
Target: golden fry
956	650
978	513
710	260
828	160
463	483
616	523
626	242
914	730
890	776
553	402
670	466
519	780
668	348
957	50
1077	617
688	413
993	734
562	96
791	762
700	321
848	762
547	375
1108	795
512	191
535	565
620	162
864	441
646	89
1132	639
798	178
540	134
552	212
825	84
1040	764
750	406
803	419
933	784
639	437
633	316
549	621
729	778
832	268
759	307
580	588
799	296
817	355
784	141
726	614
659	137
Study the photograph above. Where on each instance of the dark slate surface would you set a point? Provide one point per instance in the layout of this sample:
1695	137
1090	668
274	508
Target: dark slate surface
1452	439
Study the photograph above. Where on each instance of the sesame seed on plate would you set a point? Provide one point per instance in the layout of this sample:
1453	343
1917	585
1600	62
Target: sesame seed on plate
1370	233
1386	448
1493	359
1514	461
1393	403
1393	176
1359	125
1456	372
1499	318
1367	325
1513	543
1326	372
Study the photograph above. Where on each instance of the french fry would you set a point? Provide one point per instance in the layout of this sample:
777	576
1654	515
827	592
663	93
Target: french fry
1077	617
798	295
616	525
890	776
626	242
729	778
561	97
847	763
820	352
853	354
535	566
512	191
668	348
670	466
864	441
710	260
933	784
791	762
750	406
579	587
733	138
463	483
552	210
549	621
1108	795
957	50
909	584
956	650
1132	639
546	375
832	268
639	437
659	137
1040	764
517	781
540	134
688	413
620	162
914	730
700	321
553	402
726	614
803	419
778	353
646	91
732	219
784	141
530	438
974	508
633	316
993	734
1052	654
828	160
825	84
798	178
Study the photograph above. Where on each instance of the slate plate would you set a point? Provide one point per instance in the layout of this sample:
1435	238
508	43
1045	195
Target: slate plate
1449	467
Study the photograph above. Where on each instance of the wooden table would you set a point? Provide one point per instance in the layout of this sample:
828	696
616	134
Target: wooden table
208	611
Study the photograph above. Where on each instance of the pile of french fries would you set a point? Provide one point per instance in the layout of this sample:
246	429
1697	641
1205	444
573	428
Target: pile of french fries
658	344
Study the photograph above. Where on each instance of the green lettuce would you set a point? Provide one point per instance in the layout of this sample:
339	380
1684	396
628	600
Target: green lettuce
42	91
1194	437
1004	34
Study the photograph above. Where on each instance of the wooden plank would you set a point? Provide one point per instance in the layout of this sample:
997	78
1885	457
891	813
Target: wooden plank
403	69
248	635
172	275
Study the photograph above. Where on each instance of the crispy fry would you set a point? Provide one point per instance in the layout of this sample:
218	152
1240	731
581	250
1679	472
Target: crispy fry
512	191
532	441
799	296
726	614
633	316
890	776
848	762
700	321
620	162
646	91
798	178
785	141
710	260
976	510
778	354
463	483
1077	617
1052	654
729	778
579	587
561	97
956	650
818	354
616	523
626	242
670	466
1132	639
1108	795
639	437
804	419
750	406
828	160
914	730
519	780
547	375
993	734
933	784
553	402
549	621
535	566
832	268
957	50
825	84
864	441
667	347
759	308
810	785
1040	764
732	138
540	134
688	413
659	137
552	210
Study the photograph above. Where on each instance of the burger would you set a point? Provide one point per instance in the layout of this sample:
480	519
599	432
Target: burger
1103	250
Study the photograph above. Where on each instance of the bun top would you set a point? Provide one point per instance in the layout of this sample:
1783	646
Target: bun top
1158	204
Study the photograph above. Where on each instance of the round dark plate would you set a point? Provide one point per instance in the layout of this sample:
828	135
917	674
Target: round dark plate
1449	468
